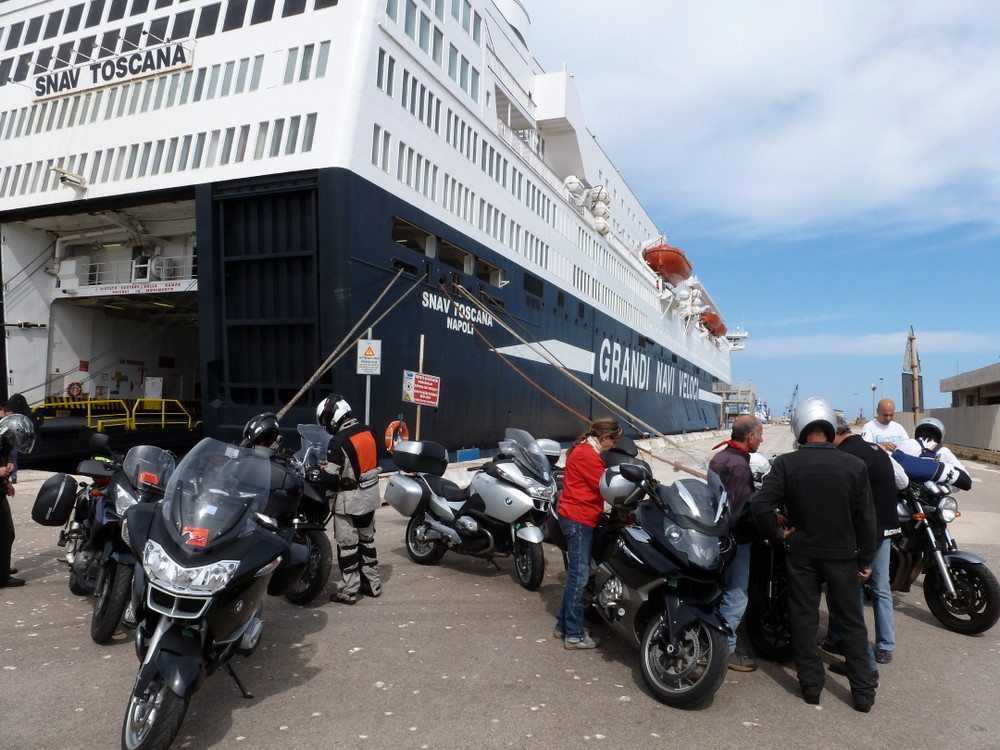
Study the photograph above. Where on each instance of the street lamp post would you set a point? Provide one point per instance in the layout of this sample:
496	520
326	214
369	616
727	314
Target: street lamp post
880	388
873	400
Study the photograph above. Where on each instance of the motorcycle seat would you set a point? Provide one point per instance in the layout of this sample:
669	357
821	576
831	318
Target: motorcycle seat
447	489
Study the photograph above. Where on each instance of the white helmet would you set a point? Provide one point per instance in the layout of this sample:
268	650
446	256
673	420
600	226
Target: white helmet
616	489
332	413
813	410
929	427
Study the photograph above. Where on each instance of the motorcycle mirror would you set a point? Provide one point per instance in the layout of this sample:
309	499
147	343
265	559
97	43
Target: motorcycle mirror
635	473
267	522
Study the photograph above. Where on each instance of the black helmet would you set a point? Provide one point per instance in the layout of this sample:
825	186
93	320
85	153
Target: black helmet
333	412
17	431
261	430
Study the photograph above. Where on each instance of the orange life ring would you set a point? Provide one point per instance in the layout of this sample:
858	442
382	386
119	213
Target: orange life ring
396	432
74	389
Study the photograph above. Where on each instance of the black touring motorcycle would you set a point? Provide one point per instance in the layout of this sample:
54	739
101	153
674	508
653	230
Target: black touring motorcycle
208	554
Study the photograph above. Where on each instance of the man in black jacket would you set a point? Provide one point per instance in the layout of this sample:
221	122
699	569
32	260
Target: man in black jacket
824	494
885	477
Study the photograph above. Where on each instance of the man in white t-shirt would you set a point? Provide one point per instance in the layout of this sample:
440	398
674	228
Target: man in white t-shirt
882	430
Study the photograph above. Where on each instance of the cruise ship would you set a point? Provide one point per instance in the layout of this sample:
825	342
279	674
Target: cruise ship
238	206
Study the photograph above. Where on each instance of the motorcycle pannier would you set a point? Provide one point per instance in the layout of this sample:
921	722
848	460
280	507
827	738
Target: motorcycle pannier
420	457
55	500
403	494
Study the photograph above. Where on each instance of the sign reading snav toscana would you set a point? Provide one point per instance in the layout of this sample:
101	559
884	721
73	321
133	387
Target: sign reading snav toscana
126	67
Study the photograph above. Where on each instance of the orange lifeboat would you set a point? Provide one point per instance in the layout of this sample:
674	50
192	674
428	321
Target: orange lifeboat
713	323
669	262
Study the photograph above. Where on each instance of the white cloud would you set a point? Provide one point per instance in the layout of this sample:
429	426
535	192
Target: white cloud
876	344
787	115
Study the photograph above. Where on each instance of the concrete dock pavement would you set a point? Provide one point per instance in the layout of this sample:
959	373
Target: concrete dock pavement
458	655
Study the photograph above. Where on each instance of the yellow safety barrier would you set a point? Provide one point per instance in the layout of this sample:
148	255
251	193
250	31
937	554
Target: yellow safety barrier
98	413
159	412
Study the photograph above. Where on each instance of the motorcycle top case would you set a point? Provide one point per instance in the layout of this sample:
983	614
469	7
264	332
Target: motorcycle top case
420	457
55	500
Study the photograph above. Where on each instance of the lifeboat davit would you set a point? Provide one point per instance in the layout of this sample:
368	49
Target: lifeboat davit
669	262
713	323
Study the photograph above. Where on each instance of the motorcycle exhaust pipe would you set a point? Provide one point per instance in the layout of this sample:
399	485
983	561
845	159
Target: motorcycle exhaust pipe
449	535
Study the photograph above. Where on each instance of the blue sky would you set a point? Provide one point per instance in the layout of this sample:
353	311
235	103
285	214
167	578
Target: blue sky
832	169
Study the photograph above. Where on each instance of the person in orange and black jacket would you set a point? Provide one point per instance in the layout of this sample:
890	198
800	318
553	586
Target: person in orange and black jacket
580	509
352	459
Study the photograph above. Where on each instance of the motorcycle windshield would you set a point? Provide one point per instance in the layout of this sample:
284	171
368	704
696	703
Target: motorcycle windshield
528	453
148	467
315	444
690	514
213	494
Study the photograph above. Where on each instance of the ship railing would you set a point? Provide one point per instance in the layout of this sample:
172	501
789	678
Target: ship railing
510	82
160	412
157	268
98	413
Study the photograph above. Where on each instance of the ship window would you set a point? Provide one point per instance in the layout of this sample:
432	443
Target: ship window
43	58
410	19
94	12
308	133
488	272
279	129
130	169
213	81
186	88
258	64
320	4
241	75
213	148
52	25
157	158
157	31
63	55
227	78
425	33
139	6
185	149
162	3
324	57
307	60
235	12
241	144
293	8
290	63
144	159
109	44
261	140
208	20
262	11
182	24
293	134
117	10
34	27
391	9
131	39
412	237
14	35
533	285
199	149
457	258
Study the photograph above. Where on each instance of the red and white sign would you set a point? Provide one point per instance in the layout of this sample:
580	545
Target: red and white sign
421	389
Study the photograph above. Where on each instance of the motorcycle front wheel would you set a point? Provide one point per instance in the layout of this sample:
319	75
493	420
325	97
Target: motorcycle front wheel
318	568
420	551
529	560
691	675
976	606
153	718
112	598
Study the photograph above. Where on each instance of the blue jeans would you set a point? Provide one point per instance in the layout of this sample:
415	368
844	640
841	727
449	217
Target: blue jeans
885	628
579	538
736	579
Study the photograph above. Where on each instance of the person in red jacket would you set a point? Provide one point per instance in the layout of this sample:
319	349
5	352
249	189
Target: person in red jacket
580	509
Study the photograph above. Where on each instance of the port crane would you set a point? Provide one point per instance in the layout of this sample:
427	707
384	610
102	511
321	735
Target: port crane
791	404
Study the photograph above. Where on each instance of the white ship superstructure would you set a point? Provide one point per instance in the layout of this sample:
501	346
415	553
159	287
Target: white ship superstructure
151	147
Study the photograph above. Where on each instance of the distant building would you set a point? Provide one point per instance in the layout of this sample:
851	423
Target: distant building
974	417
975	388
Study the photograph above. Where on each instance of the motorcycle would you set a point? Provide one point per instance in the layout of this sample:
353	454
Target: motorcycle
313	514
500	513
210	551
961	592
658	576
140	479
78	507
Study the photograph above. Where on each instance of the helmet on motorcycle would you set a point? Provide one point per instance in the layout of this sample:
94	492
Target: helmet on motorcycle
17	431
617	490
807	413
551	449
333	412
261	430
929	427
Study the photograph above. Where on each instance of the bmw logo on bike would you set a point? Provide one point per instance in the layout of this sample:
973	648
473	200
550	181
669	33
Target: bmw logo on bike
509	501
239	607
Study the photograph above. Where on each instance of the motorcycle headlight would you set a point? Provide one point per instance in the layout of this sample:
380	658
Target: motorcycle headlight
201	579
948	509
538	490
700	549
123	500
